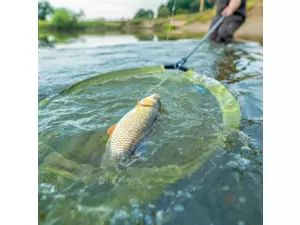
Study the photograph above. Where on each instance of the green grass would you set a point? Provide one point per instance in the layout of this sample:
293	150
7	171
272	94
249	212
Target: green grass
45	25
101	23
250	4
136	22
182	16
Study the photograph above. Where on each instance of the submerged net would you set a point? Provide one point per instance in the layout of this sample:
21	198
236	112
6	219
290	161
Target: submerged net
114	190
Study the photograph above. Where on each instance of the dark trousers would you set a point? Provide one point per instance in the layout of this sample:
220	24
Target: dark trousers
225	31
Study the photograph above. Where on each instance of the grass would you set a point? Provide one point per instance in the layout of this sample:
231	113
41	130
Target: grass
201	17
45	25
101	23
136	22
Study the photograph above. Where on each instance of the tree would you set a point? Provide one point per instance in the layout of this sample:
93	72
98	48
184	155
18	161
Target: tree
180	4
44	10
191	6
150	14
163	11
201	5
208	5
80	15
64	19
182	11
142	13
195	6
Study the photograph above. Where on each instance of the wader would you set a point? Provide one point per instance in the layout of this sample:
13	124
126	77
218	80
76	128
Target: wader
224	33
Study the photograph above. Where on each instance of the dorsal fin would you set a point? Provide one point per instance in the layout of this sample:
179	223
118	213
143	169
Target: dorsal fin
138	104
111	130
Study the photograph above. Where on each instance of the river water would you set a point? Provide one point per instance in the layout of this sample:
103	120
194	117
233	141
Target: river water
225	190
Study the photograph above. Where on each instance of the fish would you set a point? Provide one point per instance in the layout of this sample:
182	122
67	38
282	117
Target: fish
127	134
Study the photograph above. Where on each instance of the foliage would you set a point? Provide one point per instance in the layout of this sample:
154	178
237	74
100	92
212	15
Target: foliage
80	15
182	11
44	10
163	11
64	19
60	18
195	6
143	13
187	6
208	5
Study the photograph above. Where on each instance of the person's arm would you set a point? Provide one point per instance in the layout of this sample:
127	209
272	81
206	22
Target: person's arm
232	6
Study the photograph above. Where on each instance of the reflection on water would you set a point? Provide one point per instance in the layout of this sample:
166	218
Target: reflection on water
226	190
76	40
86	41
73	40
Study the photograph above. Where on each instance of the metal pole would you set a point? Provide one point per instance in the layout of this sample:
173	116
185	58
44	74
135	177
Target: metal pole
179	65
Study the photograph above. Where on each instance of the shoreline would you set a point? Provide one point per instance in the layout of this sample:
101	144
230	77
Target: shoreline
251	30
183	26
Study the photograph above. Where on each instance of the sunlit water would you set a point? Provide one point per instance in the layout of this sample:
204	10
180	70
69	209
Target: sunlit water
226	189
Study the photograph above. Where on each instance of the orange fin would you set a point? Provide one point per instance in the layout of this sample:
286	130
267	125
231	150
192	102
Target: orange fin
111	130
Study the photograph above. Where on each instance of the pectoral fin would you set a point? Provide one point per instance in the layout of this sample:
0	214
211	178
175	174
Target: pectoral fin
111	130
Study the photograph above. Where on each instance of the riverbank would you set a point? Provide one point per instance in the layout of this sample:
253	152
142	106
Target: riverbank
252	29
184	25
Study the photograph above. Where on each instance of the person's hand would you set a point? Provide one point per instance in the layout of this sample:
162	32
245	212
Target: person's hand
227	11
232	6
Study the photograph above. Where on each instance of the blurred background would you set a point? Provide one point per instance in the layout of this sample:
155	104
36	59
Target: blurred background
64	21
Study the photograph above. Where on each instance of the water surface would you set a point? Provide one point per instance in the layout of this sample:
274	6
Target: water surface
226	189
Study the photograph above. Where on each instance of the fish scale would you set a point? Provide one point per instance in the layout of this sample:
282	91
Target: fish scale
131	129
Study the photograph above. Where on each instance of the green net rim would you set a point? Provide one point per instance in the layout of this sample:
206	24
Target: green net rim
160	177
230	108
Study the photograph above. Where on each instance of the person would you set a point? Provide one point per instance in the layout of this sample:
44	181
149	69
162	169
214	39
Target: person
235	12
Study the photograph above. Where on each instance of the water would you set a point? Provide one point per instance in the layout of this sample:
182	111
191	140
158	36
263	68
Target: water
192	183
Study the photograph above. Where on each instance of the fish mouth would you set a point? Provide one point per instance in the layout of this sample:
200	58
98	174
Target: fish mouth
156	96
159	103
